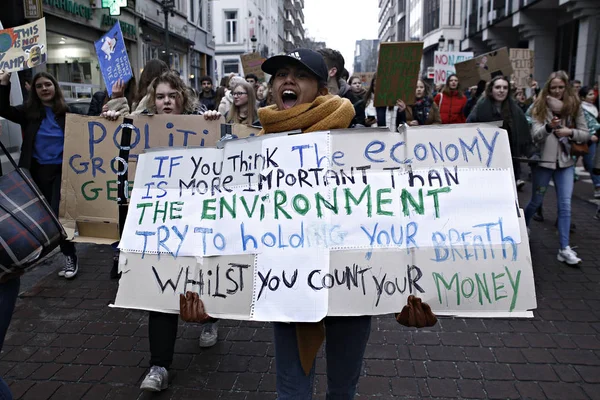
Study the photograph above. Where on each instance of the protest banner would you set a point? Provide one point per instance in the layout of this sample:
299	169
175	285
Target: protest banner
350	222
112	57
24	46
522	64
444	61
397	72
88	208
251	63
484	67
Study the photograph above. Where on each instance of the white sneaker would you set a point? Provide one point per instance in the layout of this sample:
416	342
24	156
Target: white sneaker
71	267
209	334
156	380
568	256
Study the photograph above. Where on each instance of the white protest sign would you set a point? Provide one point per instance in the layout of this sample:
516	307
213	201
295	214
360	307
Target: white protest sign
443	64
294	228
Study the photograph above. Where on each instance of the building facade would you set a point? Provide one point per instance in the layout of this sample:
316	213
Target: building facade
190	49
366	53
563	34
243	26
293	24
442	28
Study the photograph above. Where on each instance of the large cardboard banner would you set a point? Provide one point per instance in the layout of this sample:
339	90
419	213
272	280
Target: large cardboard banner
251	63
484	67
88	208
112	57
24	46
444	61
397	72
294	228
523	66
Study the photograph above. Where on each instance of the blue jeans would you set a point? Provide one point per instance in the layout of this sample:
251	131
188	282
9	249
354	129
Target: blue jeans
588	163
346	340
563	184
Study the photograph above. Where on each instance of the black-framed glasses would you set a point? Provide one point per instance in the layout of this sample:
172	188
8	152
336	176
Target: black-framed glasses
238	94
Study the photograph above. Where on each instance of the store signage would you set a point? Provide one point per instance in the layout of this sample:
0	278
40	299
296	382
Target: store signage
114	6
127	29
33	9
71	7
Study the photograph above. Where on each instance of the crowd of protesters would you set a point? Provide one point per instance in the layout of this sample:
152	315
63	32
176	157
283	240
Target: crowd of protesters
543	129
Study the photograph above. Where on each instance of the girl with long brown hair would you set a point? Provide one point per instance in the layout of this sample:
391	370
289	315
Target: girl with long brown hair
42	119
243	110
558	121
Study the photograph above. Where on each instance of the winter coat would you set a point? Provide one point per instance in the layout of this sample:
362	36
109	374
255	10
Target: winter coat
433	117
591	117
451	107
226	103
96	104
208	102
550	149
519	136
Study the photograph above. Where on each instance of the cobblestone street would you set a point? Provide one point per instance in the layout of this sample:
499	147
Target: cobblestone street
66	343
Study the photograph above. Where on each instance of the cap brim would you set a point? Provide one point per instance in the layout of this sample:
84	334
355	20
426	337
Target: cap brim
271	65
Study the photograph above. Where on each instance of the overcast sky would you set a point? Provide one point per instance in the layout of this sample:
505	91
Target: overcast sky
340	23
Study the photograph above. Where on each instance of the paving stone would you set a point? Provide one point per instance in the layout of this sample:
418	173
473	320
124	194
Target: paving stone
534	372
381	367
530	390
404	387
501	390
374	386
441	369
538	356
41	391
589	374
443	388
493	371
470	389
561	390
71	373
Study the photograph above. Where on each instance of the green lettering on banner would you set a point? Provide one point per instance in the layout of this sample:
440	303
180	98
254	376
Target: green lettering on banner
448	285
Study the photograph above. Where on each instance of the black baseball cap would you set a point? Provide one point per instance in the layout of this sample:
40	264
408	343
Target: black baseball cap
306	58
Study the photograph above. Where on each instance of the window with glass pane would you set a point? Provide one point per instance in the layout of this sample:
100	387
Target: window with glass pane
231	26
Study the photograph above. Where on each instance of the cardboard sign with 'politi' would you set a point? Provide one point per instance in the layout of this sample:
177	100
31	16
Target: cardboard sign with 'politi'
484	67
297	227
88	208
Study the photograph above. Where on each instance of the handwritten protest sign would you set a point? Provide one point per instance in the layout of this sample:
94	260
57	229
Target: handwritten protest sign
484	67
251	63
444	61
91	161
523	65
112	57
24	46
397	72
293	228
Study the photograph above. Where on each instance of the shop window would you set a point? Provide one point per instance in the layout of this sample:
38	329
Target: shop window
230	66
231	27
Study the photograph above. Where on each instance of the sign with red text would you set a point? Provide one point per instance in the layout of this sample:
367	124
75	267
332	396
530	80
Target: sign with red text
23	47
443	64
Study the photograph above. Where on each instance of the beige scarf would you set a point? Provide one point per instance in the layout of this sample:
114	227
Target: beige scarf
325	113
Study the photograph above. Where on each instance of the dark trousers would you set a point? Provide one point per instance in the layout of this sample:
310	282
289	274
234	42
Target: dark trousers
9	291
48	178
345	343
162	333
517	169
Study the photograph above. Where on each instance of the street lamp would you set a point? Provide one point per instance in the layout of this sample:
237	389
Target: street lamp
253	39
167	6
441	42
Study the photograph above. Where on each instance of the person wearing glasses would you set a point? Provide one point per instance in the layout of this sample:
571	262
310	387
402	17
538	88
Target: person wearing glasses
243	110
